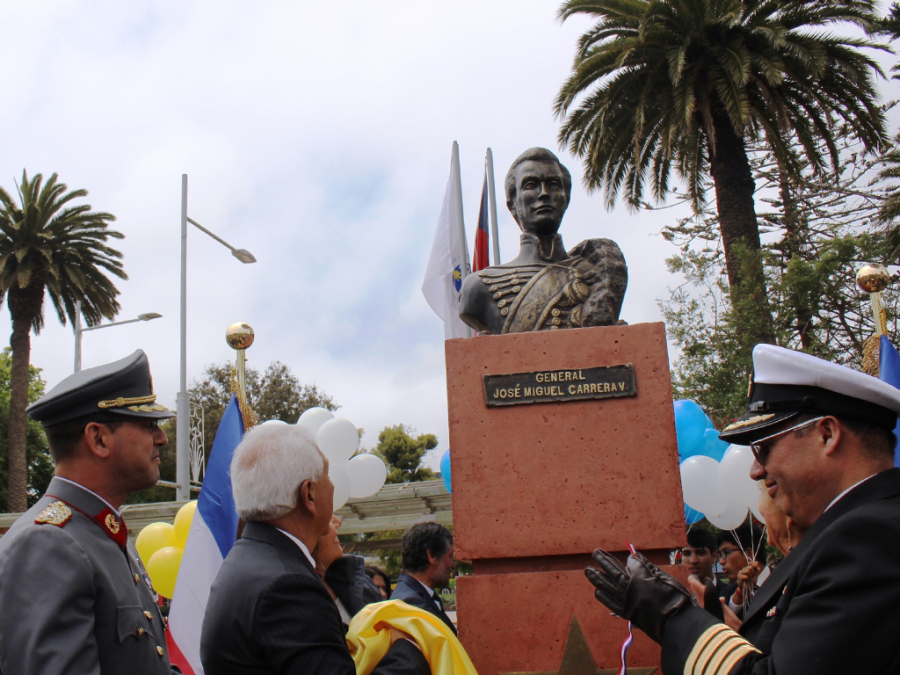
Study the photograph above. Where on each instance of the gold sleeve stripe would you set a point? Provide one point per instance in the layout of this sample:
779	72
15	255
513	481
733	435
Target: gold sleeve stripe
717	651
736	656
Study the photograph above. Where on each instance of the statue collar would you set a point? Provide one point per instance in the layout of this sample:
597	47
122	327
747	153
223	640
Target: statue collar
534	249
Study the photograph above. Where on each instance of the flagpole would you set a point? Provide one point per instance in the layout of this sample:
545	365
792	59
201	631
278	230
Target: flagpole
457	197
492	193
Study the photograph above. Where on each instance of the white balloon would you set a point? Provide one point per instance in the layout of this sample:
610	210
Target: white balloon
700	484
341	482
734	476
273	423
367	475
338	439
314	418
756	512
733	516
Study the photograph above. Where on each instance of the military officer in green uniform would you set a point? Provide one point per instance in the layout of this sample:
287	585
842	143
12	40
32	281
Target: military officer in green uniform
74	597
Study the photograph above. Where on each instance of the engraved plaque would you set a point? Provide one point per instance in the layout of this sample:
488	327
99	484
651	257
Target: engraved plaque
560	386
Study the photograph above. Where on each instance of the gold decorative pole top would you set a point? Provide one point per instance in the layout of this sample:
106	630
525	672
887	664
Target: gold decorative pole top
239	337
874	278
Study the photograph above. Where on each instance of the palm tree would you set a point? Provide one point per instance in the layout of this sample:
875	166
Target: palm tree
685	84
46	243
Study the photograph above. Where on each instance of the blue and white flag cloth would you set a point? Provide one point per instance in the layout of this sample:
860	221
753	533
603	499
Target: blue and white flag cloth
889	371
213	533
449	261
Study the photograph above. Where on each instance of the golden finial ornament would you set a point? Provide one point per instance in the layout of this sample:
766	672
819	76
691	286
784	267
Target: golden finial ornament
874	278
239	337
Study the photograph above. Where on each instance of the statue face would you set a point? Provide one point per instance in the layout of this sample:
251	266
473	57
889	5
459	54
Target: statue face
540	197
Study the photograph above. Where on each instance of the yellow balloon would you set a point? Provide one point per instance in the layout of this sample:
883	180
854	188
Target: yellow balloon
183	521
152	538
163	570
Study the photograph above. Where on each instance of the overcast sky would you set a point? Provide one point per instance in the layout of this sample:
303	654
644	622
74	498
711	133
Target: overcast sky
318	137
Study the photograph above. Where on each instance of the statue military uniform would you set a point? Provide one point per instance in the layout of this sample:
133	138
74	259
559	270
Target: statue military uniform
545	287
74	596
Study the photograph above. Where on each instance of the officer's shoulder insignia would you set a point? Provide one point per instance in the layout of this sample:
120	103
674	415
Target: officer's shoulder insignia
56	513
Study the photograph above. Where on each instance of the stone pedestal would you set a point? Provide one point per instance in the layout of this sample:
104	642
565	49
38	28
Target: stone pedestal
536	487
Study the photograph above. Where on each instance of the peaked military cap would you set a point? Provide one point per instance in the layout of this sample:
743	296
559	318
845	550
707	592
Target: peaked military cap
787	384
123	388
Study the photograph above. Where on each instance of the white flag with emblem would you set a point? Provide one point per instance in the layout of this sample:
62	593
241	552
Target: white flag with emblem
449	261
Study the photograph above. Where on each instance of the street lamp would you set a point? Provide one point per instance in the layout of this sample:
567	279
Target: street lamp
149	316
182	402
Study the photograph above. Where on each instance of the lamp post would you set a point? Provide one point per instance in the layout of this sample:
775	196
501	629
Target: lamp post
182	402
149	316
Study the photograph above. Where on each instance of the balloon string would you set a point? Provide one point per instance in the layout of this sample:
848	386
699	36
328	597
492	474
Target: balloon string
623	651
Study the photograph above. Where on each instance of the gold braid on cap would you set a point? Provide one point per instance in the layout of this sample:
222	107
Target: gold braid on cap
122	402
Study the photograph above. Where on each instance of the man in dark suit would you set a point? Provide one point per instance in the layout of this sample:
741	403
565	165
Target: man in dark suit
268	610
427	558
822	437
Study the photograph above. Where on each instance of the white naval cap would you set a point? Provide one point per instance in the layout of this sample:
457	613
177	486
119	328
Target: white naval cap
787	383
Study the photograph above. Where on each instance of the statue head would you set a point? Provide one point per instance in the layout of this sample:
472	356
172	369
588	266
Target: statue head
538	188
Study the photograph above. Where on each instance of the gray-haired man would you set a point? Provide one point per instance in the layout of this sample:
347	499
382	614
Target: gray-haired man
268	610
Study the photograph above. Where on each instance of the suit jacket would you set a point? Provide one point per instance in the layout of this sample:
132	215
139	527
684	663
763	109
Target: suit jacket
270	613
831	606
412	592
74	597
348	579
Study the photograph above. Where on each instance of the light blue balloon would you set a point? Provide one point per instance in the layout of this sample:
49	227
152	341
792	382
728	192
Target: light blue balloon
690	423
711	446
445	470
692	516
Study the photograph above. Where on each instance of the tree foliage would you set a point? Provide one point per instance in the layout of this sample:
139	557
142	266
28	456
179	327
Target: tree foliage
403	454
274	394
49	244
678	85
819	231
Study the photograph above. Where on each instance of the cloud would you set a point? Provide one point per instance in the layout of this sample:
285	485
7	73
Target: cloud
316	136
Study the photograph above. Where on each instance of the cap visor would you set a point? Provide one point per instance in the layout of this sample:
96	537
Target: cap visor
753	425
163	414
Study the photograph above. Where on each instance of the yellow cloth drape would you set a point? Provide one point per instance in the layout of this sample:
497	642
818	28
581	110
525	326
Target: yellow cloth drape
369	638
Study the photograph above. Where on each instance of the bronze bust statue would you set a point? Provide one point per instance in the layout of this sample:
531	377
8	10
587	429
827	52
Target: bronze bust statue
545	287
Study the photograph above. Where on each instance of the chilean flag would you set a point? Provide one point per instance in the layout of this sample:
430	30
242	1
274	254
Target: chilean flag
480	258
213	533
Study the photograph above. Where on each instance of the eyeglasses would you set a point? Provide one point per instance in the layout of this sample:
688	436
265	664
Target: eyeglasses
759	449
725	552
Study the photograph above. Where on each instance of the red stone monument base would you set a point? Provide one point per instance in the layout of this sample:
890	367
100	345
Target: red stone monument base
520	623
537	487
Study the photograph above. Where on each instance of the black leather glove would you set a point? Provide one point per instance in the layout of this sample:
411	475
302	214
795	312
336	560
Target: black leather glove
640	592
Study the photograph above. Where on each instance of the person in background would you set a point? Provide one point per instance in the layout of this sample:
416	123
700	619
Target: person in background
742	554
700	555
782	531
381	580
427	557
344	575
